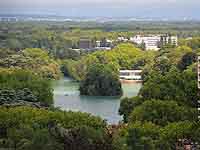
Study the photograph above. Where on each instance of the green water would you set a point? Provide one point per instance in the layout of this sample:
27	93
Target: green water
66	96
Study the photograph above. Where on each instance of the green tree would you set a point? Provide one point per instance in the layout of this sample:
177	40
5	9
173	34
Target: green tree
18	84
178	130
101	80
127	105
35	60
162	112
174	85
187	60
33	128
142	136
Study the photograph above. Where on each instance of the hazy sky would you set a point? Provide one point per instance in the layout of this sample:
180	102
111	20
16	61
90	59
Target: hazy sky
131	8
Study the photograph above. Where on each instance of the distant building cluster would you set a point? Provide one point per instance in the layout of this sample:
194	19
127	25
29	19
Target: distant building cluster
148	42
85	43
88	44
122	39
104	44
8	19
154	42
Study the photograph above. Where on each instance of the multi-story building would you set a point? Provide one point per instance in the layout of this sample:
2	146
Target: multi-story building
122	39
153	42
166	39
104	44
174	40
98	43
85	43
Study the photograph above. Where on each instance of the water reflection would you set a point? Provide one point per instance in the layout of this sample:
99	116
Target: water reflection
66	96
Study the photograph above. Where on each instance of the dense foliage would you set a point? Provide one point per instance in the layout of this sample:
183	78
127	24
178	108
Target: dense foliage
127	105
174	85
150	136
11	96
31	128
21	85
101	80
164	112
123	56
36	60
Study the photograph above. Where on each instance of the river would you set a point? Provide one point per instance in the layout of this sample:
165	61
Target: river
67	97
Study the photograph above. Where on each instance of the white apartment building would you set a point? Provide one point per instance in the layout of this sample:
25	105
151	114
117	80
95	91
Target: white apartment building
122	39
152	42
165	39
174	40
104	44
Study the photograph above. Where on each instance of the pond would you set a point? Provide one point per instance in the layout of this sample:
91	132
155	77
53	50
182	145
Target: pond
67	97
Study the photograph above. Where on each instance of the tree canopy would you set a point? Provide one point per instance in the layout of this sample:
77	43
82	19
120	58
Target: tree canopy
34	59
101	80
21	85
31	128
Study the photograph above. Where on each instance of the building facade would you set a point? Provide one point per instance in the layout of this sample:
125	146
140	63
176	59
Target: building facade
122	39
166	39
104	44
154	42
85	43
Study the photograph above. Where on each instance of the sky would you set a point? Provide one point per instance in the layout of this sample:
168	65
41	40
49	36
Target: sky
105	8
